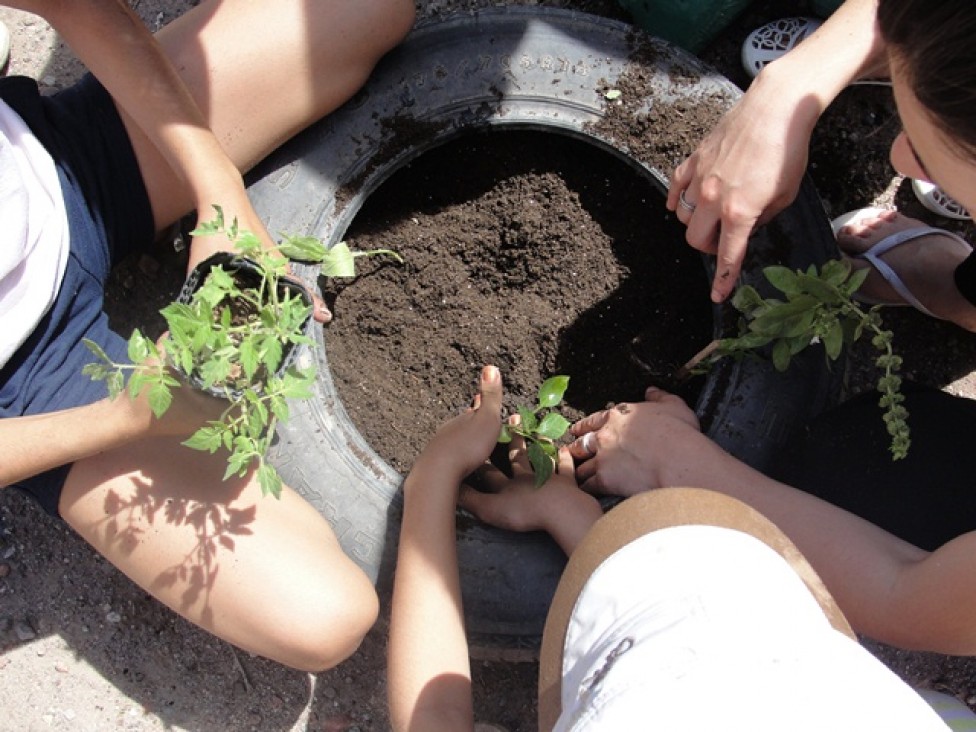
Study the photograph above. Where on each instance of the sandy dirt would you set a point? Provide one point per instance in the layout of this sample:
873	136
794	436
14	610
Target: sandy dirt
82	648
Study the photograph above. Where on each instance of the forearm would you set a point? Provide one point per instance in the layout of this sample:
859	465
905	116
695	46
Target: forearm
863	566
429	671
847	46
568	521
34	444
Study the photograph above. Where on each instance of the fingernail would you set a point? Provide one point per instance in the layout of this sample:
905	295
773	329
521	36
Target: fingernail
490	373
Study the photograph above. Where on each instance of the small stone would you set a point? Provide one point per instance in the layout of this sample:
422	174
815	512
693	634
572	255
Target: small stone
24	631
113	617
329	692
4	570
9	552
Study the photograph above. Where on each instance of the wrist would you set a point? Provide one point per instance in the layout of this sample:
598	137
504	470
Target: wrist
431	474
568	520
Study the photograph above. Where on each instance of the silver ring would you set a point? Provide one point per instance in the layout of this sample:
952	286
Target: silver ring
587	443
683	202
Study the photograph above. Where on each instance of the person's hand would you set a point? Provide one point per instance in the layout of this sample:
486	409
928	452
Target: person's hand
558	506
464	443
748	169
237	206
189	410
625	450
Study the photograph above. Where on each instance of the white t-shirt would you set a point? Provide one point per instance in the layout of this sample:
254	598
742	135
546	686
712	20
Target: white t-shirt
34	238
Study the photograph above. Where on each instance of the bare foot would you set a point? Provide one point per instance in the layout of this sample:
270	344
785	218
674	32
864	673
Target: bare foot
926	265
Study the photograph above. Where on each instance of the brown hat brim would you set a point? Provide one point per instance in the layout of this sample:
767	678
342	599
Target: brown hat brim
632	519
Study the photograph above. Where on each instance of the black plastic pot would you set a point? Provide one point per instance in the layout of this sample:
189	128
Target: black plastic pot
247	272
516	68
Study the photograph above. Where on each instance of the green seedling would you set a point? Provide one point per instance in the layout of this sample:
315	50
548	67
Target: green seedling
818	308
232	339
540	428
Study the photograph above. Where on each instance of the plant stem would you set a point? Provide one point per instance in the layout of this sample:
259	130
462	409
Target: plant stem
684	373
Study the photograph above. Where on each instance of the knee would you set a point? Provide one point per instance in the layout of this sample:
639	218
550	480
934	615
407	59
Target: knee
388	21
329	627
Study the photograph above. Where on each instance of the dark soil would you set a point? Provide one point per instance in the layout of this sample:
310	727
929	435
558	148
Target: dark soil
532	251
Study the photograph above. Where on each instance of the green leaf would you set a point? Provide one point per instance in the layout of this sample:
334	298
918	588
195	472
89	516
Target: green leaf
833	340
304	248
272	350
95	371
855	281
297	384
214	226
781	355
552	390
797	343
247	242
339	261
279	407
139	348
529	422
115	382
160	399
97	350
269	480
215	371
783	279
249	358
746	299
835	272
504	435
542	464
553	426
787	319
209	439
823	291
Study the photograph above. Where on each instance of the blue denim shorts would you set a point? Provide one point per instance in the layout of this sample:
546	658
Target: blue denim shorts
109	216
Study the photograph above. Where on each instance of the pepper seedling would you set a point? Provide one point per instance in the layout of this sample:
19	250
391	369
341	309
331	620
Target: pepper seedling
540	427
233	333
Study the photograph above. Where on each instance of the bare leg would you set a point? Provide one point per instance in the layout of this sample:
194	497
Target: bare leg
266	575
262	71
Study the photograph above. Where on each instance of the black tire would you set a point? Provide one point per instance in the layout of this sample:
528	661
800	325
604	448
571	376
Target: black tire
518	67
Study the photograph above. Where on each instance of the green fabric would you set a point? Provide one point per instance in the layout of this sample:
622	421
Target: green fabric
690	24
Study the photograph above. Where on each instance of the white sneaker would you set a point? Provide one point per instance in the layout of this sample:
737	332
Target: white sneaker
936	201
772	40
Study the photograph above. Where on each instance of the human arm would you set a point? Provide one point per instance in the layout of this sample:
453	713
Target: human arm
557	507
888	589
429	674
36	443
751	165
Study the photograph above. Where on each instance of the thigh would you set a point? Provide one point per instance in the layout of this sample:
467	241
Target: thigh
265	574
262	71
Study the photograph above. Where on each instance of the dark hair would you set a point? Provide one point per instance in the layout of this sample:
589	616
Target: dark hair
934	41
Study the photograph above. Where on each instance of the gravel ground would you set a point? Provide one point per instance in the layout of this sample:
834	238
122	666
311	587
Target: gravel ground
81	648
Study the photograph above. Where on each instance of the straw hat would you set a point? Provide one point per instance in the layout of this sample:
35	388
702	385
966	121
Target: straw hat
686	609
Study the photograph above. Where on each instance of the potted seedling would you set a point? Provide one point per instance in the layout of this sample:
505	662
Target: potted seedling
233	332
541	427
817	307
